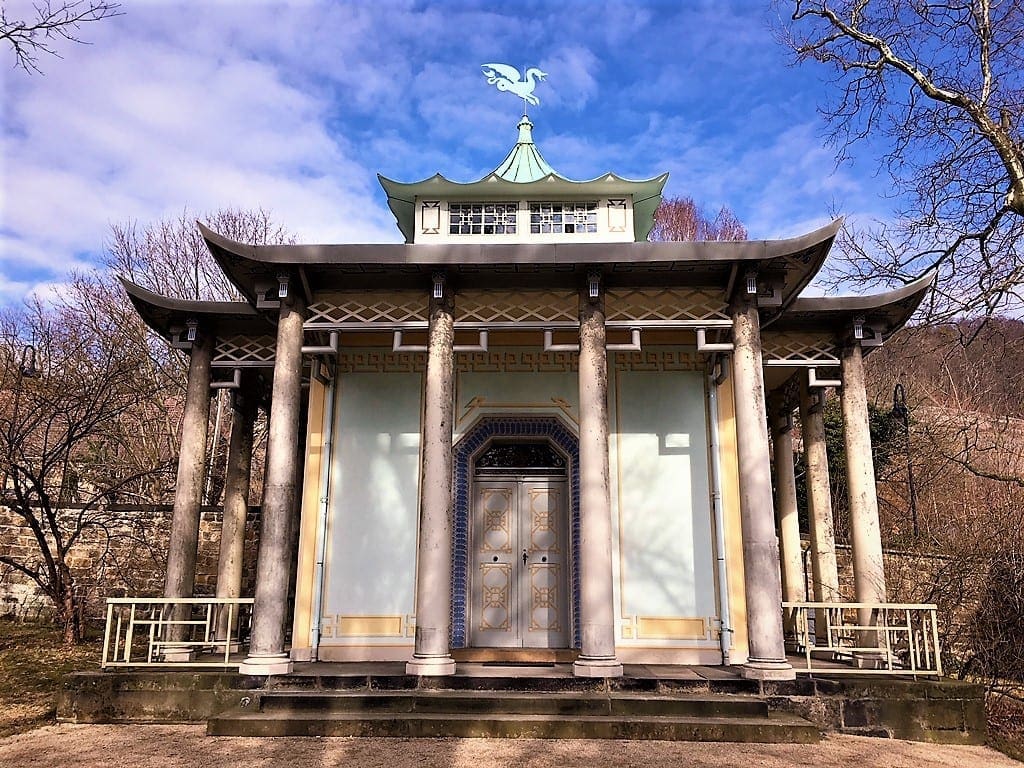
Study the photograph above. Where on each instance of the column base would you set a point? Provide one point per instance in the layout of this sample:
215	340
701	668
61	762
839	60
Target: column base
756	669
269	664
584	667
430	666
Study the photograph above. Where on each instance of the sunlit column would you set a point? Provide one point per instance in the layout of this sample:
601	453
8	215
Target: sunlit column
267	655
824	570
865	532
432	655
236	502
597	611
788	521
188	490
762	578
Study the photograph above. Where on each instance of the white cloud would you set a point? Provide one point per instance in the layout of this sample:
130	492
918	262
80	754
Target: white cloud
295	106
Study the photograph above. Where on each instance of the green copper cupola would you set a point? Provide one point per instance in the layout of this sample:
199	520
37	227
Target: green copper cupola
525	162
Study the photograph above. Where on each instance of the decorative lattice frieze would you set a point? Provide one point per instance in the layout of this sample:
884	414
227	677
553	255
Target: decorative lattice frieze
798	348
358	308
516	306
667	304
236	350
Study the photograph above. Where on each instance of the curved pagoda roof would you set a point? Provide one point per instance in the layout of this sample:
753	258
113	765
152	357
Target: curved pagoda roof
525	173
169	316
884	313
786	265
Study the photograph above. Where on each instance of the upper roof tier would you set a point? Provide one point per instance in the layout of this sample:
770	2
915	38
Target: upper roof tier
784	267
524	174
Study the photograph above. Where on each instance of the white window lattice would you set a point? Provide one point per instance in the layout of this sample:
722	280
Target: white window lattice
482	218
516	306
669	304
359	308
798	347
563	218
245	349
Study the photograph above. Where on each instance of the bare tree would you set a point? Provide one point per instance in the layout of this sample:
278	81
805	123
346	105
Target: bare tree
943	84
965	449
47	23
680	218
171	258
71	395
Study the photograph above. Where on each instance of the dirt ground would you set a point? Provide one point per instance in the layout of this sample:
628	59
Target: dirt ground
187	746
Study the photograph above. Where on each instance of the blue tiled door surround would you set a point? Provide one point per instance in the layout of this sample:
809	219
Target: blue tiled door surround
476	440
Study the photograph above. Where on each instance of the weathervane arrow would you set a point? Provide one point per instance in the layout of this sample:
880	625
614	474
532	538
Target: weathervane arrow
505	77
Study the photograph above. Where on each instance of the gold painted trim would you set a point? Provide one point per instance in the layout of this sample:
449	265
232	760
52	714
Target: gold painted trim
480	402
369	626
730	486
309	515
671	628
621	538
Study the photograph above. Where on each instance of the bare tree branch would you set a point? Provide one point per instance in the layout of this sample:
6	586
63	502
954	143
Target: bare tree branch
942	82
49	23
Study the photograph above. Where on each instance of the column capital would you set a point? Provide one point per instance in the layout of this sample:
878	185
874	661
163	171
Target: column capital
442	297
593	284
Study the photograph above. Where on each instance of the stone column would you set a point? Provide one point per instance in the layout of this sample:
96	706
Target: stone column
188	489
432	655
824	571
788	522
267	655
236	503
762	579
865	533
597	609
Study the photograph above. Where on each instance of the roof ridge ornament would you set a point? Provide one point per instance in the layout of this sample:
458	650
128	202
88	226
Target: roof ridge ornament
505	77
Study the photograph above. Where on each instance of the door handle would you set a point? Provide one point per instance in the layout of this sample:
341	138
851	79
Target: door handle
524	557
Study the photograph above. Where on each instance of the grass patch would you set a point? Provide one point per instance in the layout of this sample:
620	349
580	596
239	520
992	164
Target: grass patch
32	662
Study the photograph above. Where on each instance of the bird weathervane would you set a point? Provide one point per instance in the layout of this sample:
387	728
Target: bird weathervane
507	78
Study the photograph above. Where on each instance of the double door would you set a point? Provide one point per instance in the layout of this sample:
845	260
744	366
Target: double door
518	592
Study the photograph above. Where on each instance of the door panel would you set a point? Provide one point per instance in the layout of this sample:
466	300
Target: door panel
543	600
518	593
493	587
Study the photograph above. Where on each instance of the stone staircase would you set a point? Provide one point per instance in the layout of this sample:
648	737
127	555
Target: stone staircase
513	706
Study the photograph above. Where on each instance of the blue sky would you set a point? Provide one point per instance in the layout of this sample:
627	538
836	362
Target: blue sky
296	106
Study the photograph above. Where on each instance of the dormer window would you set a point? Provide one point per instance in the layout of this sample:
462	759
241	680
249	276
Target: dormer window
563	218
482	218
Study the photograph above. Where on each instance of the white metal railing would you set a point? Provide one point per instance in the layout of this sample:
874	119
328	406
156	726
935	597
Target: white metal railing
867	638
175	631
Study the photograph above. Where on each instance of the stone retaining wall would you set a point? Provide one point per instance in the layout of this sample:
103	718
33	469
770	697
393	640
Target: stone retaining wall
127	556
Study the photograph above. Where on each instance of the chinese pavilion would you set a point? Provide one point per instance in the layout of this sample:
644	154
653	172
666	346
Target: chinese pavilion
527	428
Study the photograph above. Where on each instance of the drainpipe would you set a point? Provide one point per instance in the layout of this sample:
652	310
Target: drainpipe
725	634
327	457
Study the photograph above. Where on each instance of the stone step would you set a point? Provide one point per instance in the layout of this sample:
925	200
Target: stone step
498	679
776	728
515	655
513	702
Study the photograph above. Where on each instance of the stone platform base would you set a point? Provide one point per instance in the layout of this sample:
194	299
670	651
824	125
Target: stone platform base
941	711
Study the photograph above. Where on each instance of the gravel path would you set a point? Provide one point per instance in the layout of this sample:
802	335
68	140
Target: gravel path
187	746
